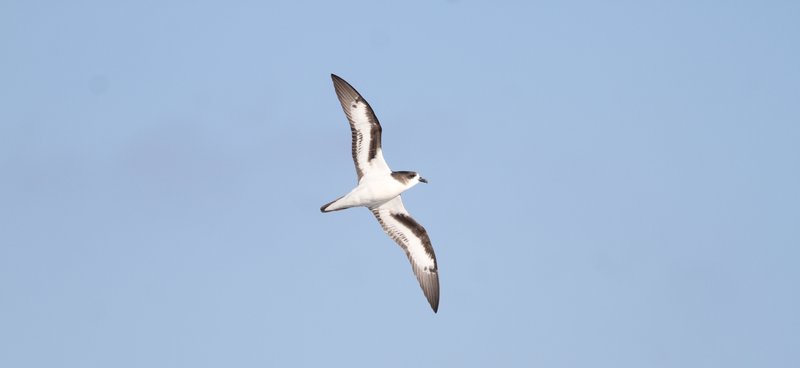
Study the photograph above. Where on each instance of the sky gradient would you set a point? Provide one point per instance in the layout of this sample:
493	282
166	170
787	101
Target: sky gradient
611	185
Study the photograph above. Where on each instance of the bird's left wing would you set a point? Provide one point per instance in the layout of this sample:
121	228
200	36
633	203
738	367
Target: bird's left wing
414	240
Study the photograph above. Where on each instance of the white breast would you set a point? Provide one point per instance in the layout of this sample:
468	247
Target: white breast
373	190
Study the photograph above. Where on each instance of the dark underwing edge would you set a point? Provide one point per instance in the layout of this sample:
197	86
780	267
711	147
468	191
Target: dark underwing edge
374	140
419	232
374	130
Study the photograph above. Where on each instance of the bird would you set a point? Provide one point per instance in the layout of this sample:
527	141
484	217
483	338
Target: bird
379	190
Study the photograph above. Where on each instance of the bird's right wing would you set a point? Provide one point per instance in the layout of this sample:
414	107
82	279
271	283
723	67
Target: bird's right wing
365	129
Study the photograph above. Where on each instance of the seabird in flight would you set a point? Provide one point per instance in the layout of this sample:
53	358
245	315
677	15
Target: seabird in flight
379	190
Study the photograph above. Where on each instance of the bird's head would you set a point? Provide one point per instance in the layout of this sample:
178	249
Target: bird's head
409	177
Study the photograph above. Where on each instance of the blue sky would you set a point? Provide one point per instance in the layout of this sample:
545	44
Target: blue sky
611	184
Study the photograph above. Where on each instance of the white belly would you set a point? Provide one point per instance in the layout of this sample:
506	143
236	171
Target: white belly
372	191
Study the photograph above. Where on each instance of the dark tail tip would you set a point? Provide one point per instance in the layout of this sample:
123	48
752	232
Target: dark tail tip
325	206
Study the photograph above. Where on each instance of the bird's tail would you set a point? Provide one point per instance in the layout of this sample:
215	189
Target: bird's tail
334	206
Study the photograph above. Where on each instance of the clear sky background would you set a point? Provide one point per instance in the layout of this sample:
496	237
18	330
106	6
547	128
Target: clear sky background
612	184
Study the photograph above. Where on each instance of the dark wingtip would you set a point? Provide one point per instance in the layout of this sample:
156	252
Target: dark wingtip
430	287
434	302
